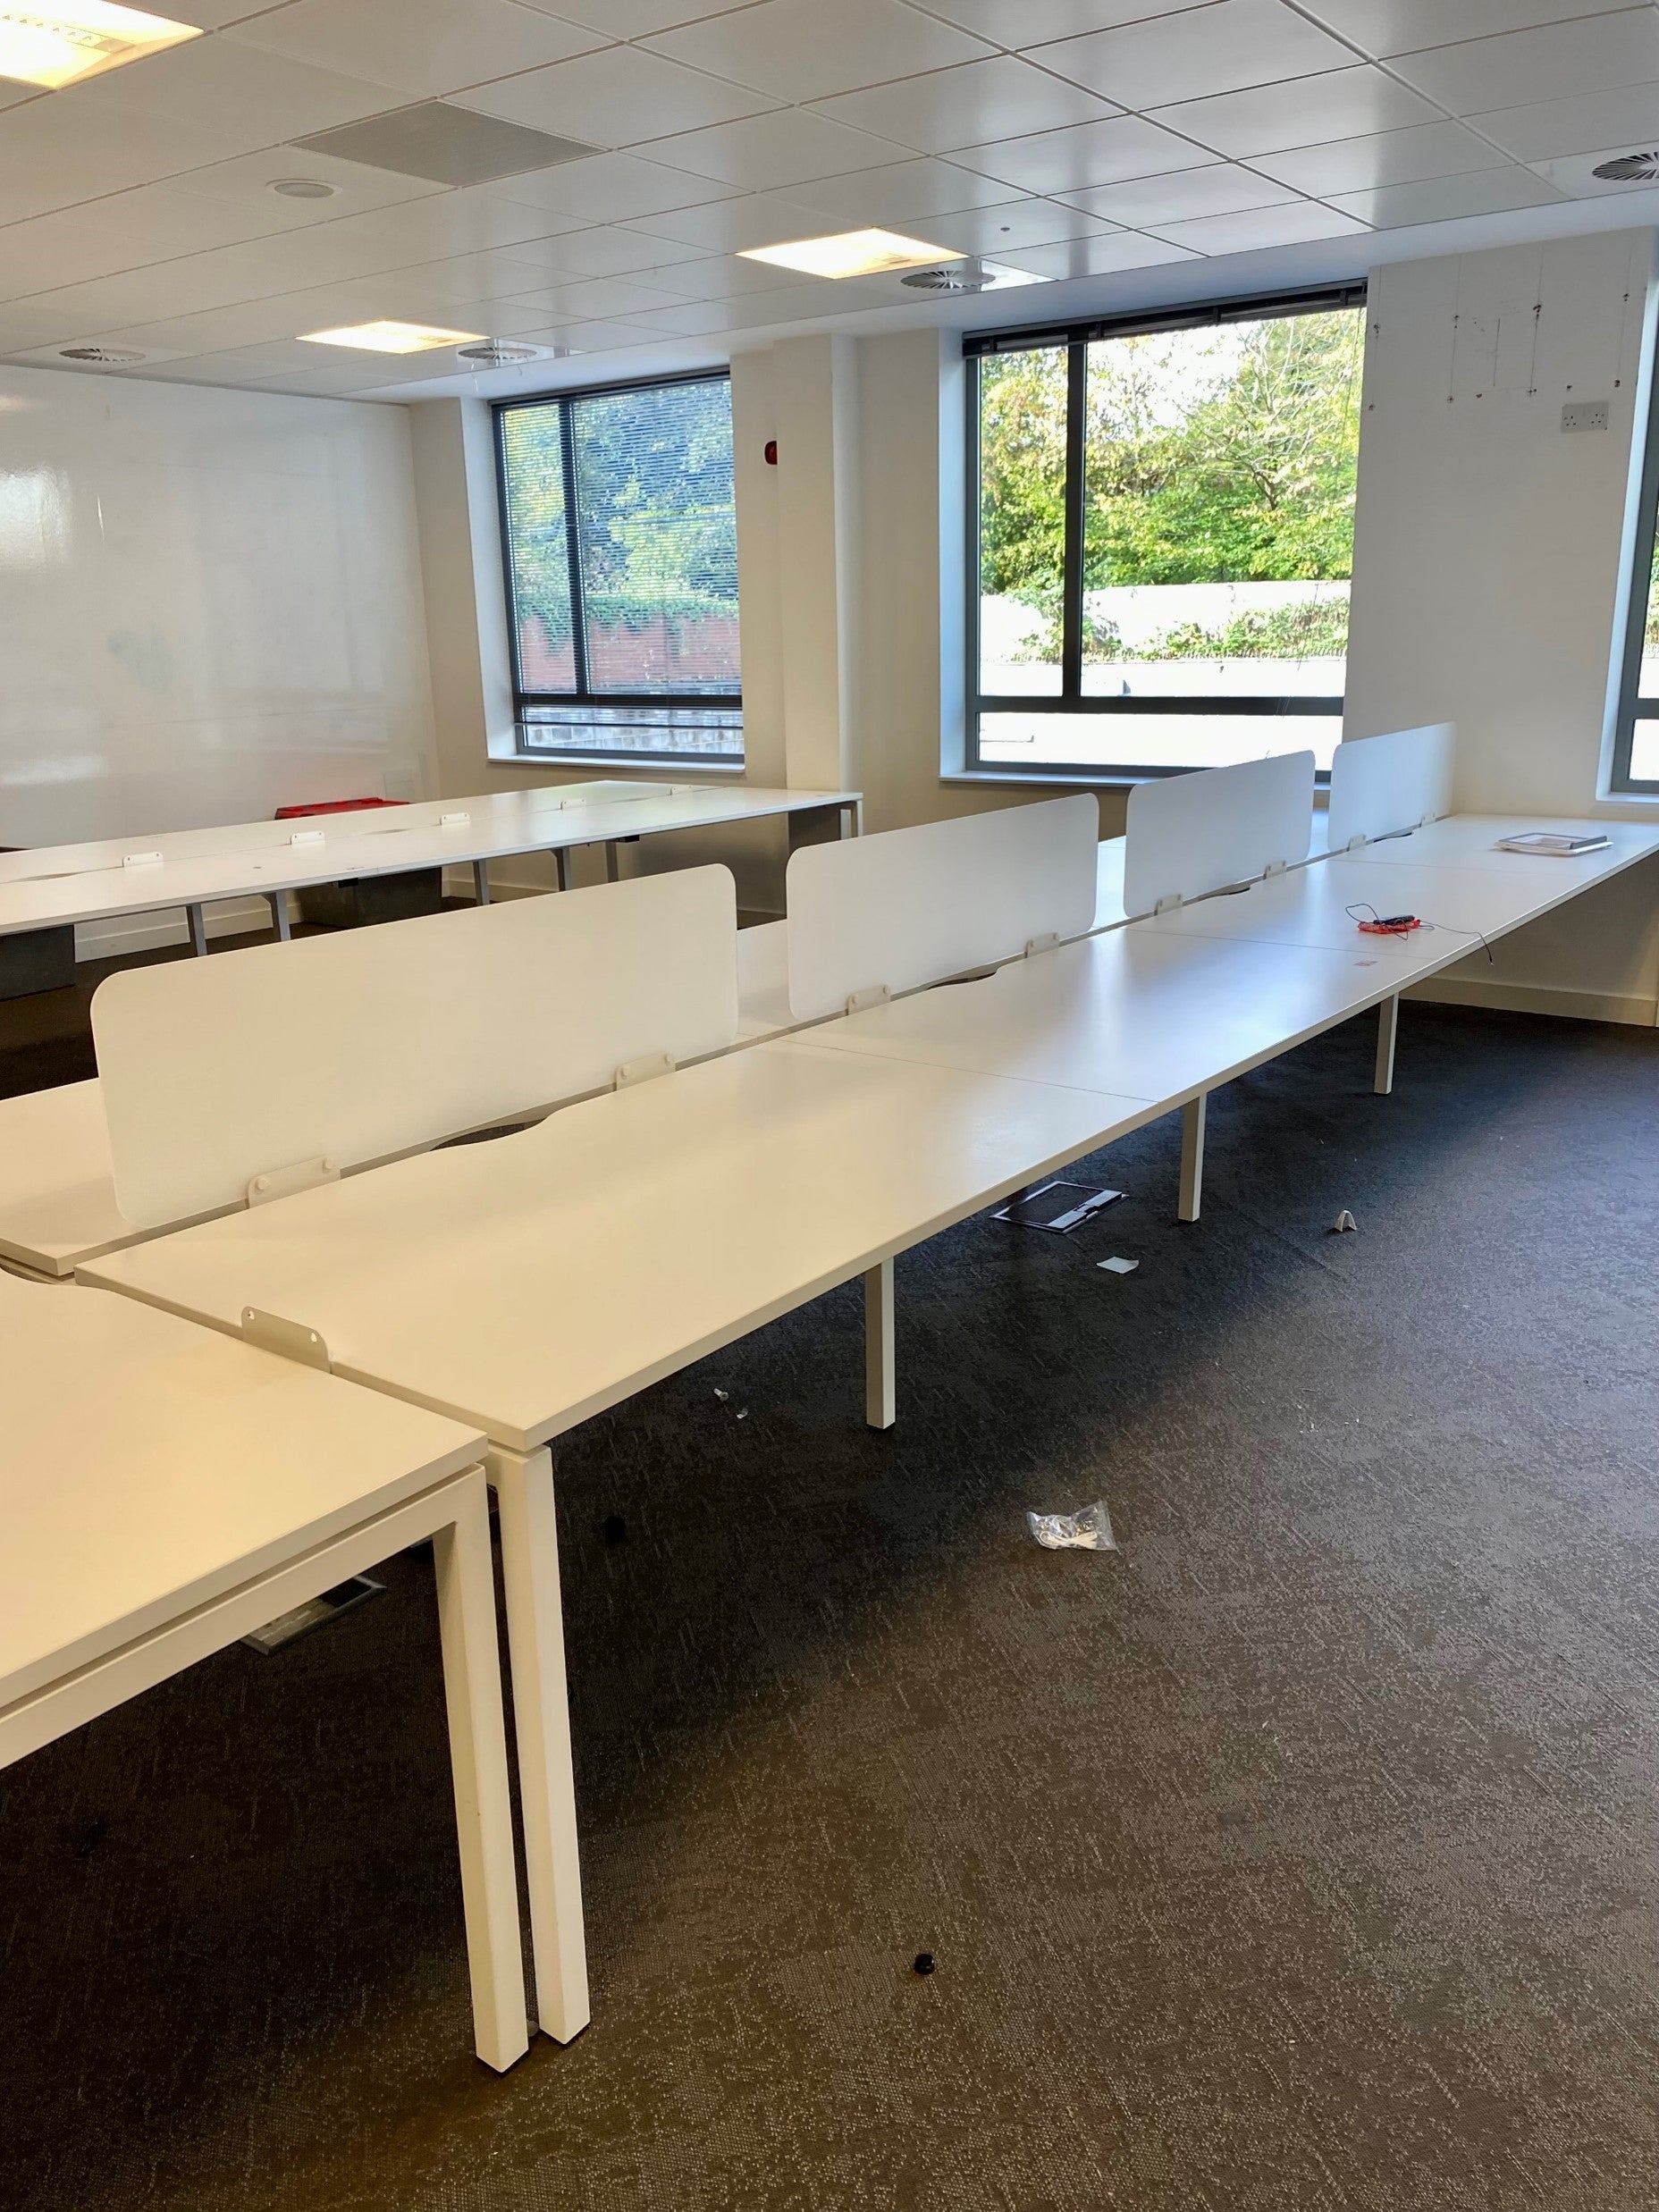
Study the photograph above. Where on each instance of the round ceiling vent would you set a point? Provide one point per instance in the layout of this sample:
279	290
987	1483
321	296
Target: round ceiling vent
1629	169
103	357
971	275
498	353
303	188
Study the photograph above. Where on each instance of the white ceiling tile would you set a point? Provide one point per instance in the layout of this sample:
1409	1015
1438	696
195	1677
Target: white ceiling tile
52	156
1484	192
731	225
159	222
68	248
805	303
257	99
605	251
1443	149
1097	256
778	150
899	192
1588	122
1575	175
423	46
1261	228
245	181
1070	161
616	98
1034	23
1384	27
634	19
1012	225
708	318
999	99
597	336
803	50
600	295
609	188
1595	55
1223	189
427	285
1340	104
1223	48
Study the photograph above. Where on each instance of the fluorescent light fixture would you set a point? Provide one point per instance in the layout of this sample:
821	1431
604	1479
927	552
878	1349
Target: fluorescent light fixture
852	253
390	337
65	40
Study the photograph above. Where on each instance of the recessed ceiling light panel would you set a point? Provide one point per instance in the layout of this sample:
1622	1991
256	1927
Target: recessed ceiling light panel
852	253
390	337
62	41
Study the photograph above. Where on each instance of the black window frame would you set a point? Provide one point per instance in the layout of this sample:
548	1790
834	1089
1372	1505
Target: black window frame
1632	707
584	695
1077	338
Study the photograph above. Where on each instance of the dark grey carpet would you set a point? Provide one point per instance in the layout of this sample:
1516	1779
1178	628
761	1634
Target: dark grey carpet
1301	1857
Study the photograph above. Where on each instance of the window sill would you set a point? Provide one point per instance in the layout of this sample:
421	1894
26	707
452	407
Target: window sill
1066	779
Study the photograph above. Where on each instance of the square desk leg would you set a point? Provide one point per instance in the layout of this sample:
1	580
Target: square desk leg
278	904
456	1516
1387	1030
481	882
1193	1117
199	929
881	1405
536	1639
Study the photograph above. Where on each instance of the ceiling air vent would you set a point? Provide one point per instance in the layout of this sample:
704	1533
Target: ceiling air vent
496	353
971	275
445	144
1629	169
101	357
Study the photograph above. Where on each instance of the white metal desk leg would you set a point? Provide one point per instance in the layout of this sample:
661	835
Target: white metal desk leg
562	867
199	929
1387	1030
481	882
484	1816
612	865
880	1407
536	1638
1193	1116
278	904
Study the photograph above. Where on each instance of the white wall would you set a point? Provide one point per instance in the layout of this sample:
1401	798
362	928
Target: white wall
210	605
1487	566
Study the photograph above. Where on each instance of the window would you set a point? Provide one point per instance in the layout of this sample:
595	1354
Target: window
1163	537
1636	741
620	537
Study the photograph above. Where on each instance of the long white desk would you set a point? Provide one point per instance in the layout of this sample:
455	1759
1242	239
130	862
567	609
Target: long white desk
164	1491
53	886
685	1212
693	1208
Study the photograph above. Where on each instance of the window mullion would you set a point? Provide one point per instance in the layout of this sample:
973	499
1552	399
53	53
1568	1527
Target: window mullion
573	549
1072	558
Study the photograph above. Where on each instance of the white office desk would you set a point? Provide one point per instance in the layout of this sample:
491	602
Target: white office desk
685	1212
163	1492
246	859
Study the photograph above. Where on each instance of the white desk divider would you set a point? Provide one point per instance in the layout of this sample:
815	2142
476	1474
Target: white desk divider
1186	836
285	1064
1381	786
908	907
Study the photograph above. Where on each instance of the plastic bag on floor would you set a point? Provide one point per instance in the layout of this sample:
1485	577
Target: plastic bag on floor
1089	1529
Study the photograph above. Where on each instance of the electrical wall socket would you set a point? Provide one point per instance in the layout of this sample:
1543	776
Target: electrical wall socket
1584	415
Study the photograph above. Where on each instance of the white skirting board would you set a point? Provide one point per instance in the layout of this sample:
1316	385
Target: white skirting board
149	933
1547	999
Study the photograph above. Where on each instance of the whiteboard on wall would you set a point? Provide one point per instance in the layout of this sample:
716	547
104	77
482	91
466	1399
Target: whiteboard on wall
353	1046
1185	835
1381	786
210	606
908	907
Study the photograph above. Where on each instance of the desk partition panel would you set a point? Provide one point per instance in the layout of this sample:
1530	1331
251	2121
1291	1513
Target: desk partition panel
354	1046
1381	786
1189	835
909	908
